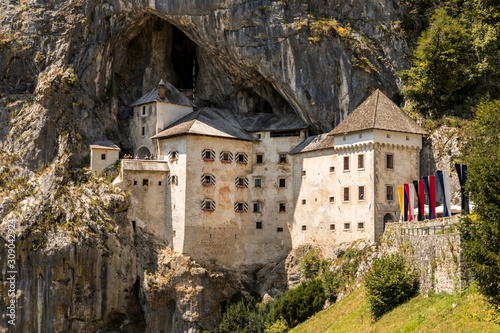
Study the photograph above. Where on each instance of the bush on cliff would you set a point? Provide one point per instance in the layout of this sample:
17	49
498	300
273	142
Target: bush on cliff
389	283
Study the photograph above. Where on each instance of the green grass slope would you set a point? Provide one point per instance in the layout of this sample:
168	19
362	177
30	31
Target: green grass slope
466	312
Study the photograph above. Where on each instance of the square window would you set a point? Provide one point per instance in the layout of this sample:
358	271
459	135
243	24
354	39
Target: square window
303	172
258	182
344	138
388	136
361	225
260	158
407	138
259	136
282	207
256	207
331	199
332	226
145	182
389	161
207	155
347	226
389	192
207	179
346	163
279	229
258	225
240	206
304	228
241	182
282	158
346	194
208	205
103	156
303	201
241	158
361	161
225	157
332	169
135	182
361	193
360	135
282	182
143	130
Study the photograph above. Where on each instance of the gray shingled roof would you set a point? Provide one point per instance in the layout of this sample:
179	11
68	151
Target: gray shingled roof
207	121
378	112
106	144
254	122
315	142
172	96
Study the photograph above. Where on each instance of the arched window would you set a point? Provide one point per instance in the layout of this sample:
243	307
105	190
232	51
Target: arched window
388	218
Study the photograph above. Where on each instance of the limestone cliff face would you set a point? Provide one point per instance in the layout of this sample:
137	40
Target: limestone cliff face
318	59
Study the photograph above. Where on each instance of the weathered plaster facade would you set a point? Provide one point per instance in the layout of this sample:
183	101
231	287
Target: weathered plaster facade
102	155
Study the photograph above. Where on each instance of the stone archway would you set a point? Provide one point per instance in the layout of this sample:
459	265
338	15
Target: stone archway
388	218
142	152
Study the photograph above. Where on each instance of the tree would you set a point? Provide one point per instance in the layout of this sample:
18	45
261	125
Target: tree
481	231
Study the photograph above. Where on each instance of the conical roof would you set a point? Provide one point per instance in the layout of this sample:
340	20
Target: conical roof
378	112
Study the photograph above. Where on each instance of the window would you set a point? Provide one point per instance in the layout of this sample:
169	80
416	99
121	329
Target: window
173	155
260	158
259	136
208	155
135	182
361	225
344	138
407	138
256	207
388	136
346	194
258	182
332	226
241	158
145	182
279	229
103	156
331	199
240	207
361	193
360	135
143	130
282	158
346	163
304	228
208	205
284	134
361	161
172	180
258	225
241	182
389	192
282	182
389	161
347	226
226	157
332	169
143	110
303	173
303	201
282	207
159	183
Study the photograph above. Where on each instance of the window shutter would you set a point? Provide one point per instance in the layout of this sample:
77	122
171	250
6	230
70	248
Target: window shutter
246	181
236	156
203	154
169	155
203	204
169	180
245	158
203	178
212	155
236	206
221	155
175	180
176	154
212	205
245	207
212	179
231	157
236	181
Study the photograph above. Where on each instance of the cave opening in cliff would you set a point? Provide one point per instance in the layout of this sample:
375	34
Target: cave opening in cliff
184	59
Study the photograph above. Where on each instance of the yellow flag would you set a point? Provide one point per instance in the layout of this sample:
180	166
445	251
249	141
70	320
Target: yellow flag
401	195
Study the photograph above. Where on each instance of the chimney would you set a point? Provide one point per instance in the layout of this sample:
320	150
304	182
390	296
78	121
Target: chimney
161	89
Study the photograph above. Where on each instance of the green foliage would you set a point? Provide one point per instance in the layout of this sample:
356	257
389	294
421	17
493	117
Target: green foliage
299	303
454	64
310	264
389	283
73	78
279	326
236	317
481	231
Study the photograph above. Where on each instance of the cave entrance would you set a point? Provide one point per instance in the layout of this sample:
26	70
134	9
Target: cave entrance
184	59
142	152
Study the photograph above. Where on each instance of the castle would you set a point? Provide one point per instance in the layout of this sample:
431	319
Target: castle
238	189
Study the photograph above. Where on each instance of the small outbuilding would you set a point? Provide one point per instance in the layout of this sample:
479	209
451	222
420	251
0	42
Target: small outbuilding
103	154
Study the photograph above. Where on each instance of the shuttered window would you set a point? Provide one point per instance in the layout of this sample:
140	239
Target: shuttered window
226	157
208	155
207	179
241	182
240	207
208	205
241	158
173	155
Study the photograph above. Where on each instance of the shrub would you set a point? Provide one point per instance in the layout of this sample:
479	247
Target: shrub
389	283
310	264
298	304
